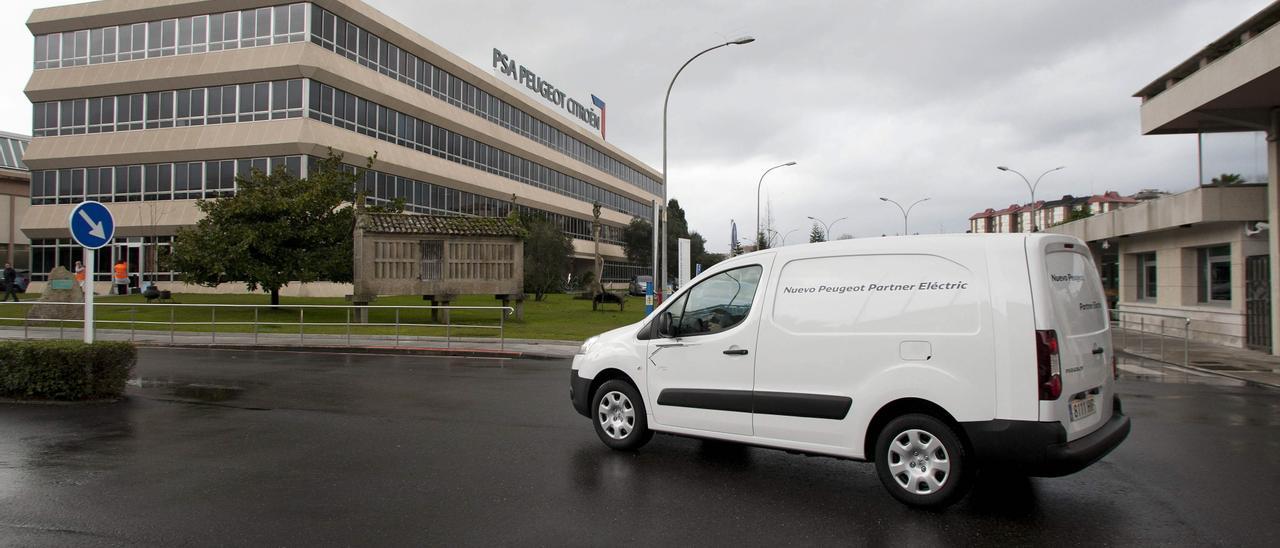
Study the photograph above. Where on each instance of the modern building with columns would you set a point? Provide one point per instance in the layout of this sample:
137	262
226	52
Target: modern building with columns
148	106
1207	253
15	187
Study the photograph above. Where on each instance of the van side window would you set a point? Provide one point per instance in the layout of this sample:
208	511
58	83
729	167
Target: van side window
717	303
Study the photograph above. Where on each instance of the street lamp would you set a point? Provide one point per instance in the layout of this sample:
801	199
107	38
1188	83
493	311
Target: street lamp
1032	188
784	236
661	281
827	228
759	234
905	212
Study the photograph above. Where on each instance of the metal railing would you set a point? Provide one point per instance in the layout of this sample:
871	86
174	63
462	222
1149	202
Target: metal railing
1152	324
381	323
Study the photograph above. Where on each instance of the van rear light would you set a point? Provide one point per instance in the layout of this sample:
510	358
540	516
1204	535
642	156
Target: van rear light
1048	364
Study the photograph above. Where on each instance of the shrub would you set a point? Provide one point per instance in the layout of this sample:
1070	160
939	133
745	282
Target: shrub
65	370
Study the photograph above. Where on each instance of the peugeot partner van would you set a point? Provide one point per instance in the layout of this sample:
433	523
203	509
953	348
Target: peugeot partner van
930	356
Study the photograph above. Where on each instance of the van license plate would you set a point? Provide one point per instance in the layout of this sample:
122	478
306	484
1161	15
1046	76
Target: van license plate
1083	407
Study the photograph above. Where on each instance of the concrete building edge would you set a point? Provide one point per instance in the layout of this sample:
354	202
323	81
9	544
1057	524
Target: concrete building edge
1273	220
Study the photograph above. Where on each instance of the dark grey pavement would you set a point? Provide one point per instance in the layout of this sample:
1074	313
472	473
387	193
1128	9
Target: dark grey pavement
294	449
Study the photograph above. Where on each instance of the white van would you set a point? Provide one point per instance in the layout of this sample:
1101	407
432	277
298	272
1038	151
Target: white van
928	355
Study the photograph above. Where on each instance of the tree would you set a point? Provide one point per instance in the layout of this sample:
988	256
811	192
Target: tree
1228	179
1077	214
275	230
637	241
547	255
761	241
698	252
677	227
817	234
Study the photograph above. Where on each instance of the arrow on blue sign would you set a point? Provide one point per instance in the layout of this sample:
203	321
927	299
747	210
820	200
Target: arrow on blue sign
92	225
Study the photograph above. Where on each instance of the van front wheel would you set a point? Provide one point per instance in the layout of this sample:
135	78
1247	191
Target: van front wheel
619	416
921	461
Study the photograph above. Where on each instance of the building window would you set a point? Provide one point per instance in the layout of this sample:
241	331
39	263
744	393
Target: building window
1214	266
168	37
1147	276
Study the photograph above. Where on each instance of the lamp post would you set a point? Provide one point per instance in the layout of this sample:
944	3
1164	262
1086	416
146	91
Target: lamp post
784	236
759	185
826	229
666	190
905	212
1032	188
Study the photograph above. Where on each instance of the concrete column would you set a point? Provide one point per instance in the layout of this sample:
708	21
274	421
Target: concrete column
1273	220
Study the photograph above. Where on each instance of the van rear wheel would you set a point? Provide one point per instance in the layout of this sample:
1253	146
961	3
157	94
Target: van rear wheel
619	416
921	461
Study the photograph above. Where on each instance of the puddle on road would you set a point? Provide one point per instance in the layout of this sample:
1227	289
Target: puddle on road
190	390
1138	369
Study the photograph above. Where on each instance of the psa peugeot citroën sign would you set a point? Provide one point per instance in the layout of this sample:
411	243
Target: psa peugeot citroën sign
521	74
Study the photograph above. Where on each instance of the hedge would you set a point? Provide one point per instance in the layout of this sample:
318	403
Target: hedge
65	370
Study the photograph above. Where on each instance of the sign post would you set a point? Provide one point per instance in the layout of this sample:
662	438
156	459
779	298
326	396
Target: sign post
93	227
648	298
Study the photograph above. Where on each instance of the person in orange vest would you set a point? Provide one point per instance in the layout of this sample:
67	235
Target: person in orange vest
80	274
120	276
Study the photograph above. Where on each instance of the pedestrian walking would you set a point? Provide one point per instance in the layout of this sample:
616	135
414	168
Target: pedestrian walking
10	283
80	272
120	277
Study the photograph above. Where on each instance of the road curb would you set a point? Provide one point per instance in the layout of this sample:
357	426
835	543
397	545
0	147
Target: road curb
385	350
1250	382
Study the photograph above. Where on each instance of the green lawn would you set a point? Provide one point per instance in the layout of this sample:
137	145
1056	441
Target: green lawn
558	317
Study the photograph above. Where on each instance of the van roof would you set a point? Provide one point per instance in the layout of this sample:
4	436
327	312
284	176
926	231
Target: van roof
924	242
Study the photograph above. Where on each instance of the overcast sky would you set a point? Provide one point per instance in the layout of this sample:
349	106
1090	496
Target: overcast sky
872	98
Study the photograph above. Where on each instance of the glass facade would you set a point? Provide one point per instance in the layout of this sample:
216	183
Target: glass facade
11	150
168	37
289	23
294	98
146	257
420	197
214	178
371	51
342	109
249	102
282	99
149	182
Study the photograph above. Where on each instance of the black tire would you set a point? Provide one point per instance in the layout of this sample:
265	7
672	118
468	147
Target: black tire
918	472
621	422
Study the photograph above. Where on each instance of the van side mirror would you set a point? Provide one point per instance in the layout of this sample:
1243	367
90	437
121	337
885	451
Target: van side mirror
664	325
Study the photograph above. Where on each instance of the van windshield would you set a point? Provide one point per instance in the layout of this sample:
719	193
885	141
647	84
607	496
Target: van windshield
1077	299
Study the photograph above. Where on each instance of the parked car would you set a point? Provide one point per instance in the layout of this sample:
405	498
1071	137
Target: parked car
637	285
926	355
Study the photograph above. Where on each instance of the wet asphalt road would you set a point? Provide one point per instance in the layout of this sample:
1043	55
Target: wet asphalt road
292	449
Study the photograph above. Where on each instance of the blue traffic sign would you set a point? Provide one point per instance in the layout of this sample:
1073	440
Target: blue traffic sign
92	225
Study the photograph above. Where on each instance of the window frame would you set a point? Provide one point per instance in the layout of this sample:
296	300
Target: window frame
683	300
1148	288
1205	261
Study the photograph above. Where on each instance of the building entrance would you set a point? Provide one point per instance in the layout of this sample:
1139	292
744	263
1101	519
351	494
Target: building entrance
1257	289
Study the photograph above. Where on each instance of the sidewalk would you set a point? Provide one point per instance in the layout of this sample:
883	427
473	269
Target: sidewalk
461	346
1238	363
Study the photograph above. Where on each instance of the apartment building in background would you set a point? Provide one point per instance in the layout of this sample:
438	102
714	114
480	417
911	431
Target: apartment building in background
1018	217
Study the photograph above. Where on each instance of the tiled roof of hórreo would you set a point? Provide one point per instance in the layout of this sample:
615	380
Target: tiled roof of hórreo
441	225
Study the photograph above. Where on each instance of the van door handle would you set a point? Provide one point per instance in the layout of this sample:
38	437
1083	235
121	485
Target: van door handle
736	352
1097	350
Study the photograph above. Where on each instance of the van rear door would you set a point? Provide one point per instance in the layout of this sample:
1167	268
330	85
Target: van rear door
1070	304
